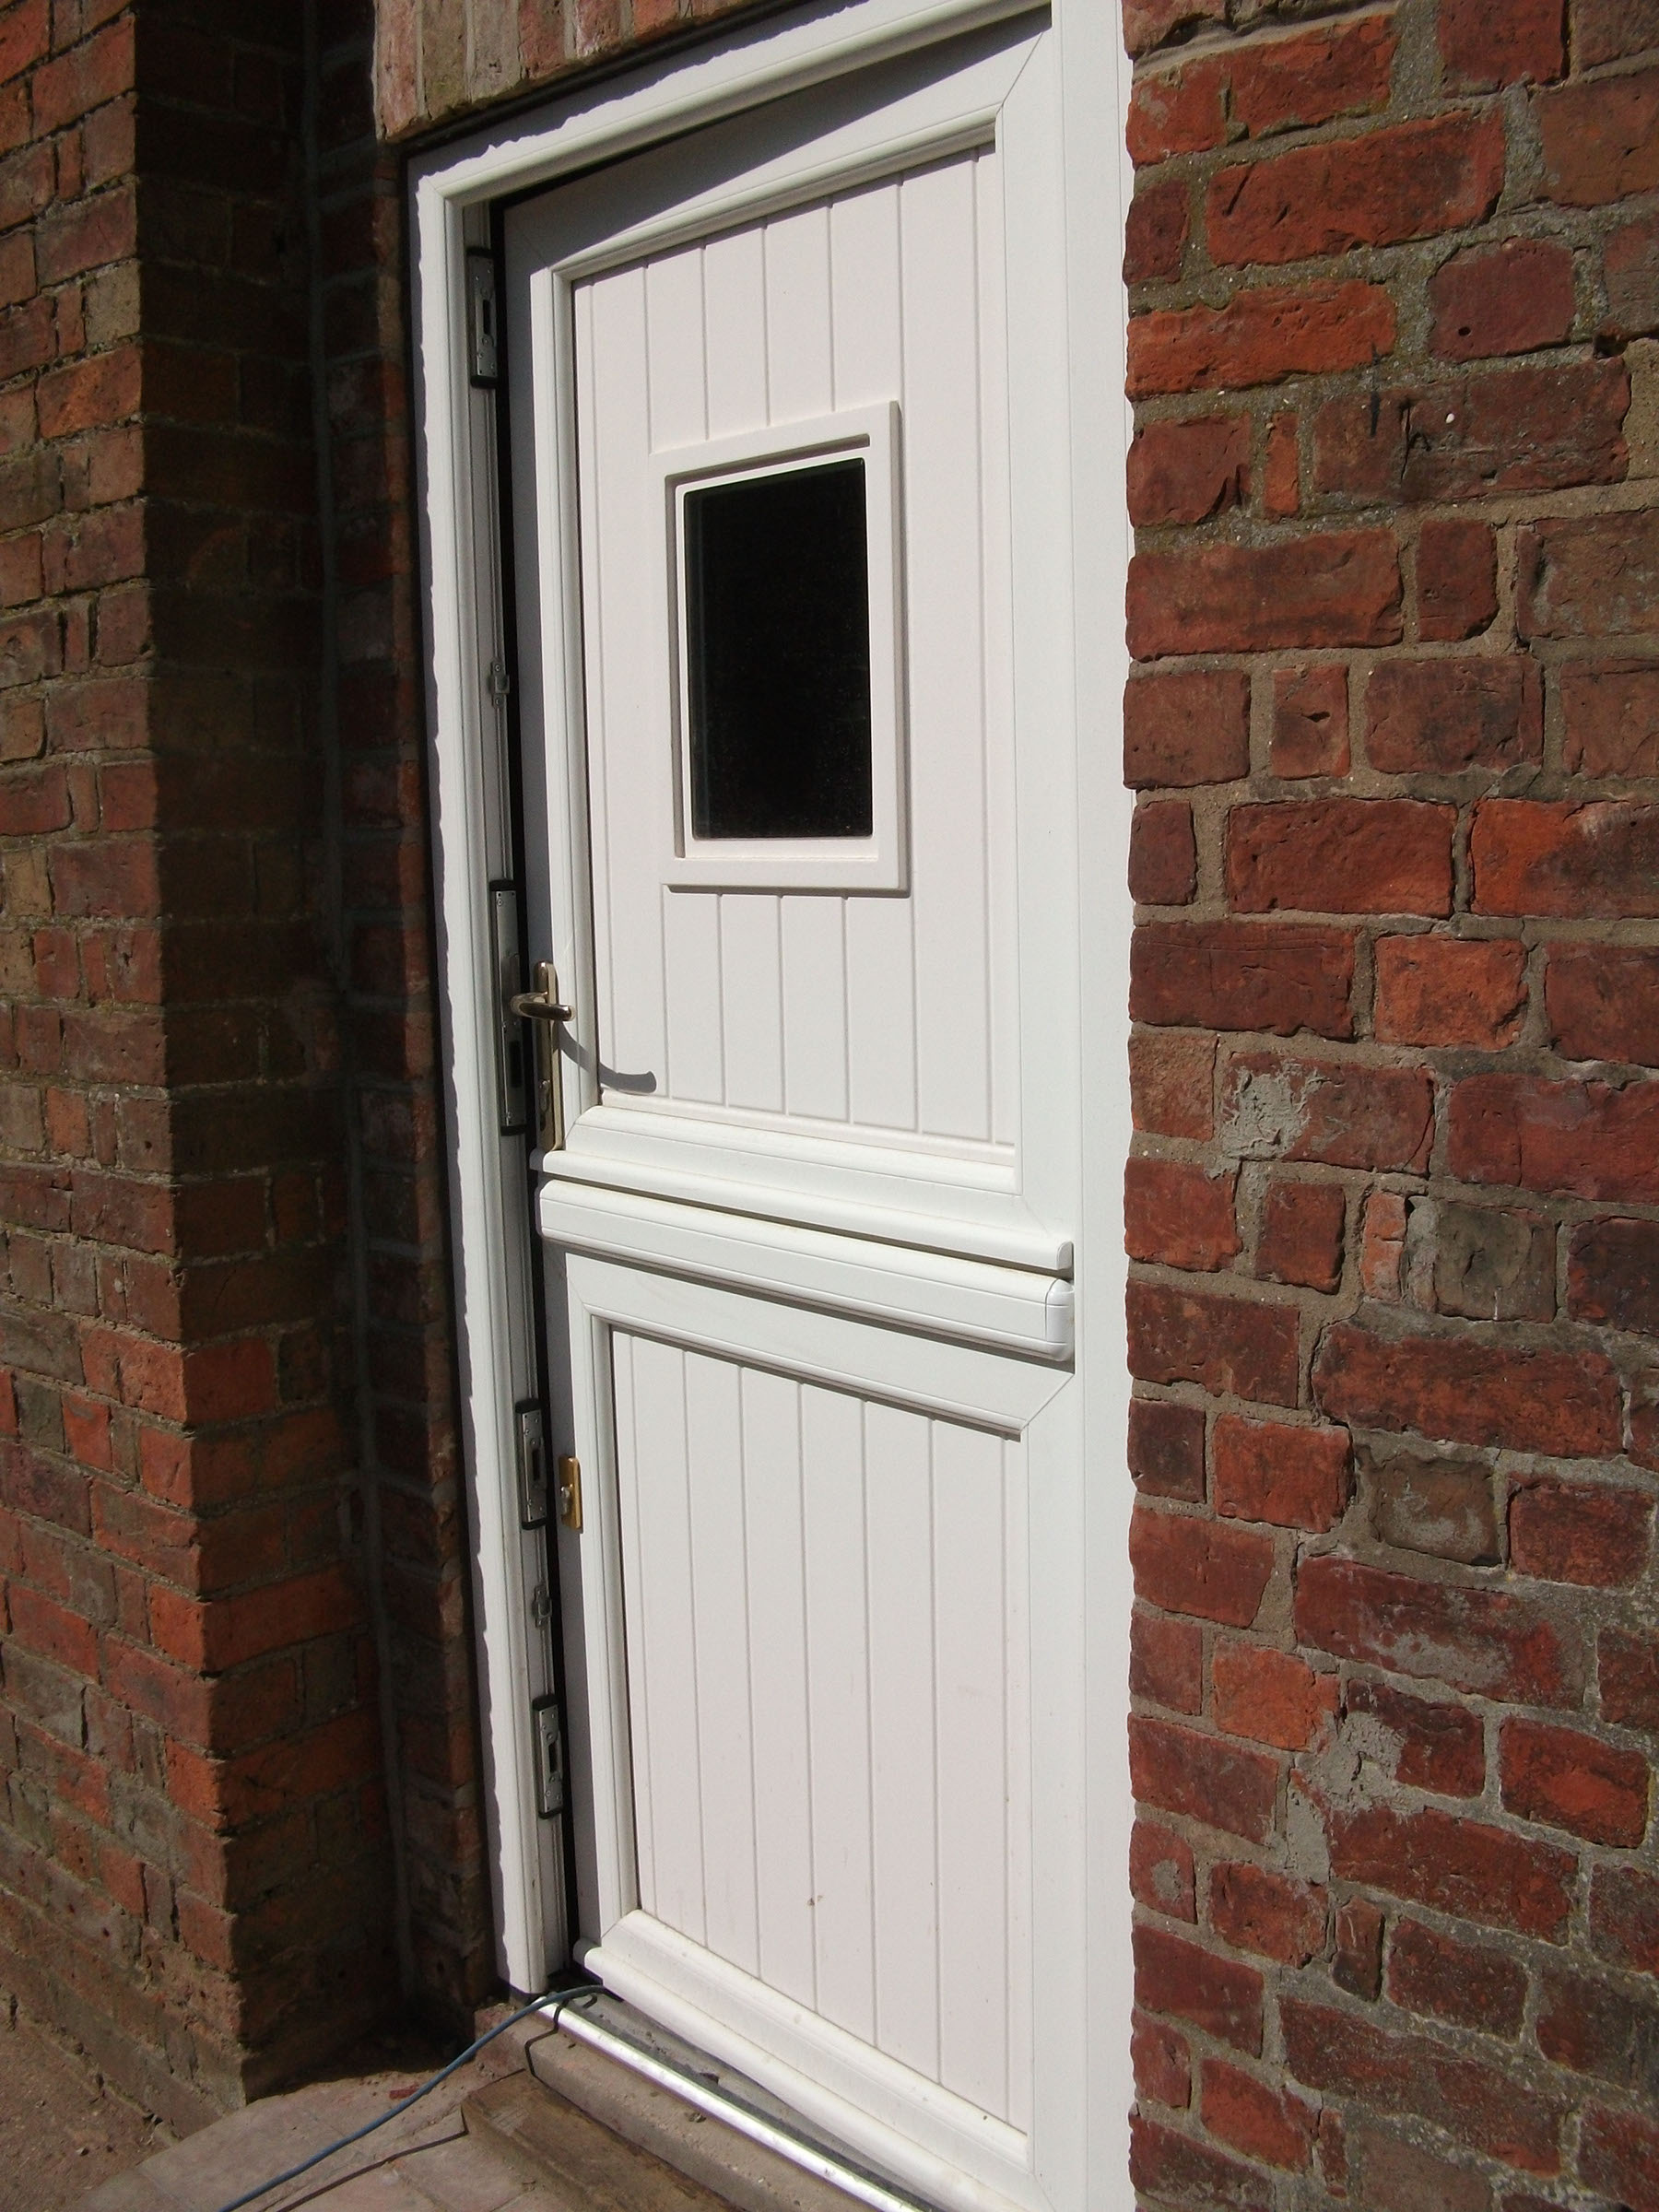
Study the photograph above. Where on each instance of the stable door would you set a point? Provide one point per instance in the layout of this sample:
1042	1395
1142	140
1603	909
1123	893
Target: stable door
791	641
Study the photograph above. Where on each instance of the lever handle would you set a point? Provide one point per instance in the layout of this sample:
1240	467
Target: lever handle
538	1005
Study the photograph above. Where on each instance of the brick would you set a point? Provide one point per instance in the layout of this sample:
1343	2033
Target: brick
1148	23
1310	721
1302	1234
1610	718
1281	469
1224	1785
1292	1477
1456	1865
1427	1744
1162	2061
1223	1344
1242	975
1342	1114
1628	1670
1415	180
1289	84
1414	2076
1613	1275
1271	1697
1450	990
1176	111
1606	30
1588	1139
1540	427
1457	580
1178	1214
1473	1639
1623	1917
1161	1871
1589	576
1186	727
1585	1532
1156	232
1618	2152
1187	472
1261	336
1481	1263
1166	1662
91	393
1185	1565
1630	274
1357	1949
1217	1994
1171	1084
1274	2126
1466	1389
1568	1780
1596	2027
1601	140
1566	859
1165	1449
1442	1507
1438	717
1178	2169
1340	855
1396	2176
1508	299
1482	48
1163	853
1338	588
1468	1983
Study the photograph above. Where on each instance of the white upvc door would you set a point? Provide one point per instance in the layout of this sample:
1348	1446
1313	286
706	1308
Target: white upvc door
788	471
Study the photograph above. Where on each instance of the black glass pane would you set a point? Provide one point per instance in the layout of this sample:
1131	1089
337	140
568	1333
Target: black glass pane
778	640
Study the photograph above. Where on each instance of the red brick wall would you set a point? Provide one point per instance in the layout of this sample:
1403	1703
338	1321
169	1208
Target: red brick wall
227	1478
1395	1206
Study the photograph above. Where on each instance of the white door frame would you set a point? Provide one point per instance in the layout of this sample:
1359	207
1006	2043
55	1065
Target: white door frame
1086	1996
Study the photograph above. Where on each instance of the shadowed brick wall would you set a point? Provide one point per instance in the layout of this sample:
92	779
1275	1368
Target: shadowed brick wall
228	1491
1394	1198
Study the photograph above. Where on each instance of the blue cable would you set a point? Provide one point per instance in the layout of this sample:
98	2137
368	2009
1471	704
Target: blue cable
555	1999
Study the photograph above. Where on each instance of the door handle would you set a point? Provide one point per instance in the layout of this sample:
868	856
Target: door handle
546	1009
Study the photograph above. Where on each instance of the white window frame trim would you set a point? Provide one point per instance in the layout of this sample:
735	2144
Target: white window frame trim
449	190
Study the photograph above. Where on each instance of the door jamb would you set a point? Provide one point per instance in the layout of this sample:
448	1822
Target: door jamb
449	194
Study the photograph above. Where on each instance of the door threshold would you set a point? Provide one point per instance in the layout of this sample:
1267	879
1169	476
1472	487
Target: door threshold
659	2092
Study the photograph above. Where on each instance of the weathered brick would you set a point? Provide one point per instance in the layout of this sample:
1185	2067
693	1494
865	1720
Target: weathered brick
1340	856
1187	472
1468	1983
1260	336
1540	427
1163	853
1437	717
1457	579
1161	1871
1356	1930
1177	1214
1606	30
1623	1917
1187	1565
1415	180
1588	576
1610	717
1594	2027
1166	1662
1338	1112
1340	588
1302	1230
1176	111
1178	2169
1271	1697
1268	1471
1442	1507
1272	2125
1508	299
1481	1263
1586	1532
1179	1770
1601	140
1450	990
1165	1449
1310	721
1148	23
1172	1083
1613	1273
1413	2076
1156	232
1469	1389
1161	2061
1426	1744
1242	975
1186	726
1588	1139
1628	1672
1218	1995
1482	47
1473	1639
1568	1780
1221	1343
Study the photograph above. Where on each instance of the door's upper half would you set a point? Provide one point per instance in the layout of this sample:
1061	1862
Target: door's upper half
792	452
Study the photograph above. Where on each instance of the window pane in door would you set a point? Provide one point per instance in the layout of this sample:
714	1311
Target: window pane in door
778	647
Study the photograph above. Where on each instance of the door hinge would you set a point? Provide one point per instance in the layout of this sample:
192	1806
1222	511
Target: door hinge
512	1087
530	1436
499	683
570	1493
549	1757
481	316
